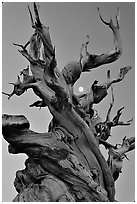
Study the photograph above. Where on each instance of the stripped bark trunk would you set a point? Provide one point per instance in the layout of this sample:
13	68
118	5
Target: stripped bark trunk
64	164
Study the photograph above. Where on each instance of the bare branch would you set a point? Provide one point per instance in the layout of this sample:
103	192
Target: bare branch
38	104
105	22
38	23
77	129
106	144
115	29
42	30
118	17
132	147
16	131
24	52
116	156
18	88
32	22
110	23
116	118
123	72
19	45
9	95
112	103
127	142
121	76
93	61
125	123
115	162
116	121
89	61
108	113
27	56
99	92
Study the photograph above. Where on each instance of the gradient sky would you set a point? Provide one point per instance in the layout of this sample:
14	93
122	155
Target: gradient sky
69	24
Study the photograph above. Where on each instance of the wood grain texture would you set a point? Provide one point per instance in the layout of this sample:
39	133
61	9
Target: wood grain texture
65	164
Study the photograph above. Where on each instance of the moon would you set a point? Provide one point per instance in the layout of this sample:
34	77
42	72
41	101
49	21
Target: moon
81	89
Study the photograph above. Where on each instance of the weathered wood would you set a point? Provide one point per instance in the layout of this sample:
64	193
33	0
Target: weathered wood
65	164
52	155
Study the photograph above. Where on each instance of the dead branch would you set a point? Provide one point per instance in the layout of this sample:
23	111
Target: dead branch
94	61
69	153
116	156
112	103
98	92
103	129
116	121
38	104
115	29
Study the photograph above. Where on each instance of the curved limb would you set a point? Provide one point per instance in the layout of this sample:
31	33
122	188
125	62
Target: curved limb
116	118
50	154
94	61
38	104
115	30
15	129
89	61
121	76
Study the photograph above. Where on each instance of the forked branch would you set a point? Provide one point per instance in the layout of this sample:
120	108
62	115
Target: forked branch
87	61
19	88
115	29
116	121
92	61
98	92
117	154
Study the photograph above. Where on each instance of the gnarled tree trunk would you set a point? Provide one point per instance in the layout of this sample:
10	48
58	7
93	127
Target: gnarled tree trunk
65	164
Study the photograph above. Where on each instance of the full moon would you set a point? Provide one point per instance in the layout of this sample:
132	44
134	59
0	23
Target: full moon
81	89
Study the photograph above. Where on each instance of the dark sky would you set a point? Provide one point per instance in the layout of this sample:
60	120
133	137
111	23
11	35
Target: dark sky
69	24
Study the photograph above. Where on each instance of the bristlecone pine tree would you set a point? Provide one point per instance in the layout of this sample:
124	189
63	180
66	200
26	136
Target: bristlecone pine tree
65	164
